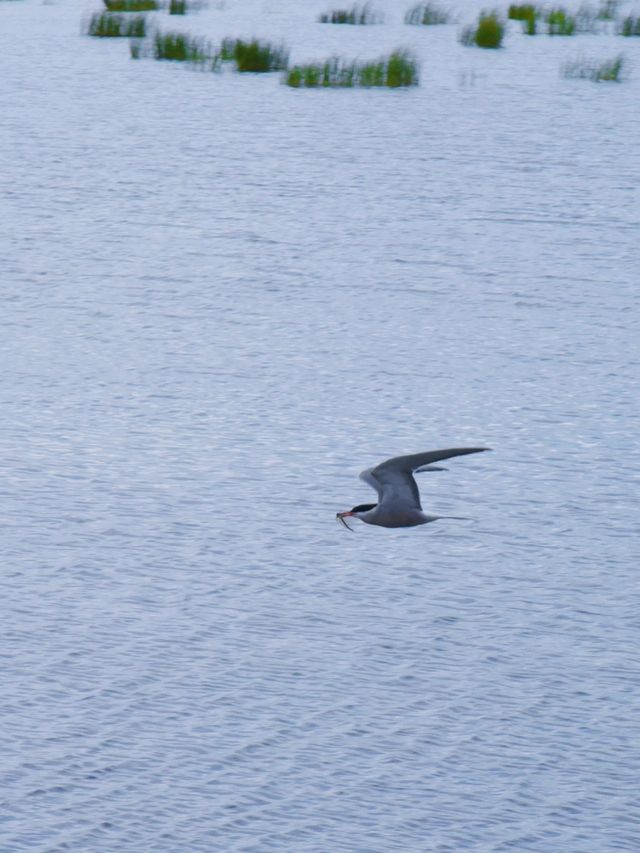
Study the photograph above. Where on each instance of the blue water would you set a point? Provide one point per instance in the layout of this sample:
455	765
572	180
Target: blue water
221	300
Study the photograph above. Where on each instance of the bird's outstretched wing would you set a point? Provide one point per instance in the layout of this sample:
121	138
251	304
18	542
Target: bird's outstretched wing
393	479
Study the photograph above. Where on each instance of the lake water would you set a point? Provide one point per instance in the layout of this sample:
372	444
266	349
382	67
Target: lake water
221	299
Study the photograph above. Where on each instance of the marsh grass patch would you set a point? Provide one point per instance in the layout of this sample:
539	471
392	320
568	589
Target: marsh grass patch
629	26
528	14
399	69
357	15
247	56
610	71
608	10
522	12
428	15
181	47
108	25
333	73
591	19
254	56
137	48
131	5
560	23
487	33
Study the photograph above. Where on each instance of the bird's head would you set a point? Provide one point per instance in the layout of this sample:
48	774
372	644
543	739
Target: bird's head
356	512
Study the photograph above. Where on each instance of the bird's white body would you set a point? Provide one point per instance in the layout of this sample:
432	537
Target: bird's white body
398	496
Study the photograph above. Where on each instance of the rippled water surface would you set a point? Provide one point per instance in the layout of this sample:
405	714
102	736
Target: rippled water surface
223	298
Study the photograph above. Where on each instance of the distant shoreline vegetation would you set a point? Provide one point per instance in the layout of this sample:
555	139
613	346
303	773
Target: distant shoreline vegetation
398	70
127	19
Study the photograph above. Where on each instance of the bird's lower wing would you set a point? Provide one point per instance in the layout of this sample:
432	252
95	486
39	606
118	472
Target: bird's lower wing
370	480
394	486
393	480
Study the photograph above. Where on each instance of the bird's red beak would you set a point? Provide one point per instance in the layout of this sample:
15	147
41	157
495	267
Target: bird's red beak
340	516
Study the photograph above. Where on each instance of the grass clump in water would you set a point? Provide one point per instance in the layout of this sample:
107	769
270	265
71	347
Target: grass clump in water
131	5
427	14
107	25
137	49
254	56
397	70
401	70
356	15
178	7
528	14
488	33
588	69
560	23
180	47
521	12
629	26
608	10
334	73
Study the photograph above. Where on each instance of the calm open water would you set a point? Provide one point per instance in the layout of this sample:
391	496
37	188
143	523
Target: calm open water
221	300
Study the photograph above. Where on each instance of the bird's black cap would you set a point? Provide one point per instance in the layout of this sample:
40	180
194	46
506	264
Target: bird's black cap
363	507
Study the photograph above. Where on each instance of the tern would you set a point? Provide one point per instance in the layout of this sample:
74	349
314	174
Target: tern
398	496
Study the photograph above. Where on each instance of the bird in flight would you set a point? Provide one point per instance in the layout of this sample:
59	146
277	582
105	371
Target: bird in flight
398	496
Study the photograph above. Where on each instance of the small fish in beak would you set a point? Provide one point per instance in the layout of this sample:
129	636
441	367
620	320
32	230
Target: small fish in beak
340	517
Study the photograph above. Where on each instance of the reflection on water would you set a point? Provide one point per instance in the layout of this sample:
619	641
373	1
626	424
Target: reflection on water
222	300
